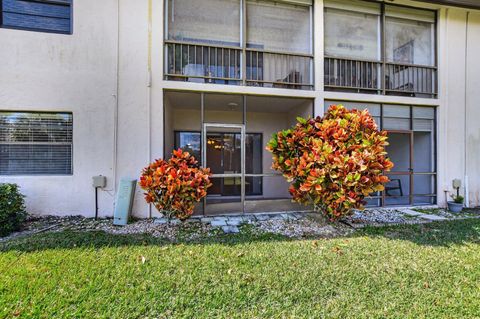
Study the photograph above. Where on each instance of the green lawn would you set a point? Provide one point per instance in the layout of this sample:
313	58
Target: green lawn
422	271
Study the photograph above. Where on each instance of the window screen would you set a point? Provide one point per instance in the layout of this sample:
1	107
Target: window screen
35	143
39	15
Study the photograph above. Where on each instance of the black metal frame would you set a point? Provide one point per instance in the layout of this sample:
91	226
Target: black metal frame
412	172
253	175
243	50
71	144
384	64
244	123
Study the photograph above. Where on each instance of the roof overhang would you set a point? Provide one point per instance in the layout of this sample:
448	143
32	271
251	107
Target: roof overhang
473	4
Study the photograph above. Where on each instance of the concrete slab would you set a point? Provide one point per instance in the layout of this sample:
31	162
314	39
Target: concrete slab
230	229
206	220
432	217
192	221
160	221
262	217
219	222
288	216
249	218
410	212
235	221
276	217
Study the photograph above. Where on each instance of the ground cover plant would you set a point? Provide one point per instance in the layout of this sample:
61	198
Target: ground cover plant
174	186
12	209
332	162
417	271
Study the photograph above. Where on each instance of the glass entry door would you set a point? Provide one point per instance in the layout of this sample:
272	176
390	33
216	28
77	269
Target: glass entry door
223	151
398	192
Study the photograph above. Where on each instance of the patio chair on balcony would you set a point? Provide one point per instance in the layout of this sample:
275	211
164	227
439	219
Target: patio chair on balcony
218	72
195	73
294	77
394	185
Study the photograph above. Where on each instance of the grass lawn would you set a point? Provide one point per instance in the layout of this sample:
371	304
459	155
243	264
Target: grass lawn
421	271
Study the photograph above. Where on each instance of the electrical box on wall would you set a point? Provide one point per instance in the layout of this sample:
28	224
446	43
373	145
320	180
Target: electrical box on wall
456	183
99	181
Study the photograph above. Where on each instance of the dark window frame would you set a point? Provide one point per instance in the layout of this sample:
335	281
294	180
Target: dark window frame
69	142
247	175
383	64
242	74
434	172
67	3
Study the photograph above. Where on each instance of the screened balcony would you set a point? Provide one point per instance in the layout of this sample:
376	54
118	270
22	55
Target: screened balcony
250	43
203	63
362	76
380	49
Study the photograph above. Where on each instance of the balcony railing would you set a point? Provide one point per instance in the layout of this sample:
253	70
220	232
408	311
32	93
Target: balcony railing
201	63
364	76
360	76
410	80
280	70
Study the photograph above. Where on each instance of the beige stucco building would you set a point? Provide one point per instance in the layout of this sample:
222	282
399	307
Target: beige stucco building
103	87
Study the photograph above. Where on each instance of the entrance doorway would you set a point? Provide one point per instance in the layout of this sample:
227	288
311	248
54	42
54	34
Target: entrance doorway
400	151
223	151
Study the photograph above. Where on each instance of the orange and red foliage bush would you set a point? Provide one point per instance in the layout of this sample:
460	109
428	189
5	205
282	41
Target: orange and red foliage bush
332	162
174	186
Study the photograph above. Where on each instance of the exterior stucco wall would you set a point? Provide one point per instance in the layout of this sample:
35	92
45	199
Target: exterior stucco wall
78	73
134	109
73	73
472	113
459	130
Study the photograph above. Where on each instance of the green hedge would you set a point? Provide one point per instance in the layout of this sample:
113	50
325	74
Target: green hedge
12	209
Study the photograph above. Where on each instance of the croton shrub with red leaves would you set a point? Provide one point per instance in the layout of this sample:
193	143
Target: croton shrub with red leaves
174	186
332	162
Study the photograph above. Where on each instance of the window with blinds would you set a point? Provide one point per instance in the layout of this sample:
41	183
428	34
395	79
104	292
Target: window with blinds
33	143
37	15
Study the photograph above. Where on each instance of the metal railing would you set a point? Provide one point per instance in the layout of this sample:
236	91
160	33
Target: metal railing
354	75
377	77
193	62
279	70
411	80
203	63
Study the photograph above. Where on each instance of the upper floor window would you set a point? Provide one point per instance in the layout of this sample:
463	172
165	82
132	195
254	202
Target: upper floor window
34	143
378	48
256	43
37	15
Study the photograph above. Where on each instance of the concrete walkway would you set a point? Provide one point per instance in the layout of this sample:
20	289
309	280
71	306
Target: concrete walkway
371	216
230	223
